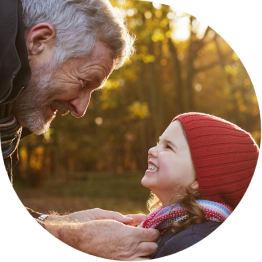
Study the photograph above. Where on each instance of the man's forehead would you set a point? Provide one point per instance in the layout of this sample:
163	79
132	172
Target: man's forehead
96	70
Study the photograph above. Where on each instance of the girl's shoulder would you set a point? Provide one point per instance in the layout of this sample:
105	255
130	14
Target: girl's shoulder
172	243
202	229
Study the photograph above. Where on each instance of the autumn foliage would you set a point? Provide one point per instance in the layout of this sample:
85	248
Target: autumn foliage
180	65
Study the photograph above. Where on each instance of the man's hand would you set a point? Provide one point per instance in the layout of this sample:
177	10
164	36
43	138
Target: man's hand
95	232
98	214
107	238
137	219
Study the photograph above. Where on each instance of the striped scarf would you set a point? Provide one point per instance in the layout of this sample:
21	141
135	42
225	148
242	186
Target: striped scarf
10	132
160	218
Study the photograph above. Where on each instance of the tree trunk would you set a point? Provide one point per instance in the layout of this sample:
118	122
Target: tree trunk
177	80
230	83
142	125
190	71
153	94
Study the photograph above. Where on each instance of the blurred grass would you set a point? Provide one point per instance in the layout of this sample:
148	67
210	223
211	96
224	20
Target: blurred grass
72	192
98	185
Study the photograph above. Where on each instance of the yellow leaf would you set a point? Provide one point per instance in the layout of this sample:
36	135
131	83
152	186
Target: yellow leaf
138	110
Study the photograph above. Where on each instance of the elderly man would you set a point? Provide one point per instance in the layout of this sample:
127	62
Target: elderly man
53	55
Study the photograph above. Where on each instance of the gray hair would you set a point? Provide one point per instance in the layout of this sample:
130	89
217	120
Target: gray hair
79	24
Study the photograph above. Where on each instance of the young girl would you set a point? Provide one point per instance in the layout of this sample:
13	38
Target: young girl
198	173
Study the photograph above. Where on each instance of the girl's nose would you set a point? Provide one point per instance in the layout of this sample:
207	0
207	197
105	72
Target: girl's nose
152	151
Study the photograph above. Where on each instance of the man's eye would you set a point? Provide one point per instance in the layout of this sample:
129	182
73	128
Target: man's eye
84	82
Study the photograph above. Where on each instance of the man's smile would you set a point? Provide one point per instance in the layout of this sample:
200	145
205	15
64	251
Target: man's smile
54	109
59	107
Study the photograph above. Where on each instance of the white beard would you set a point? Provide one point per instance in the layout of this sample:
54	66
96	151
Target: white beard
28	108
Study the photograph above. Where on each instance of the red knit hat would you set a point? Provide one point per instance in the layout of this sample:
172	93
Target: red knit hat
224	156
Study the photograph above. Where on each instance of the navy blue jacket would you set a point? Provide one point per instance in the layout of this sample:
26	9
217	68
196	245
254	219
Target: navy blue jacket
172	243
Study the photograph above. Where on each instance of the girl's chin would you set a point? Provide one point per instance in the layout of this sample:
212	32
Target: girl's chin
143	182
146	182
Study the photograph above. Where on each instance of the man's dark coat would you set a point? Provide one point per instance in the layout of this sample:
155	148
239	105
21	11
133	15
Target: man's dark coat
15	71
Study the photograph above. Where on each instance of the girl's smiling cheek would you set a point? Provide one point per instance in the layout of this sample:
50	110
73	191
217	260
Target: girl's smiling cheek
169	164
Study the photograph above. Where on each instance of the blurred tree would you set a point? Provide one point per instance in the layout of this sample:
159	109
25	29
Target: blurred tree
179	65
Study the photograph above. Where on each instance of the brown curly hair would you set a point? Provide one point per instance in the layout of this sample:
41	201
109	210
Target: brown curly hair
195	212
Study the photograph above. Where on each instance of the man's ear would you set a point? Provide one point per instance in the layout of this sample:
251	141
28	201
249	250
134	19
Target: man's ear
41	36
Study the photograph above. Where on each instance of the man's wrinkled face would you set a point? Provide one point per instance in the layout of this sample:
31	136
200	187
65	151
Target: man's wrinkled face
63	89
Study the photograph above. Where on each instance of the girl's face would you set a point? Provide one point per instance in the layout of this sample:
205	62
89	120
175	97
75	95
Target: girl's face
170	165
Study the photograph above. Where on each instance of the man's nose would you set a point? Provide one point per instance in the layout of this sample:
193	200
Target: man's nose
79	104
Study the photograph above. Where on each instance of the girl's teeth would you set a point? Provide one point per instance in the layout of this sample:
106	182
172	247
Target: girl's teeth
153	168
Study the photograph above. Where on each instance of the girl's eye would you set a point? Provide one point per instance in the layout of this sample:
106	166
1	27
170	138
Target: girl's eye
168	146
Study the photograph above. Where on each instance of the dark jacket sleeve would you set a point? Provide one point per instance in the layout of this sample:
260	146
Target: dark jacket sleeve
35	215
172	243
